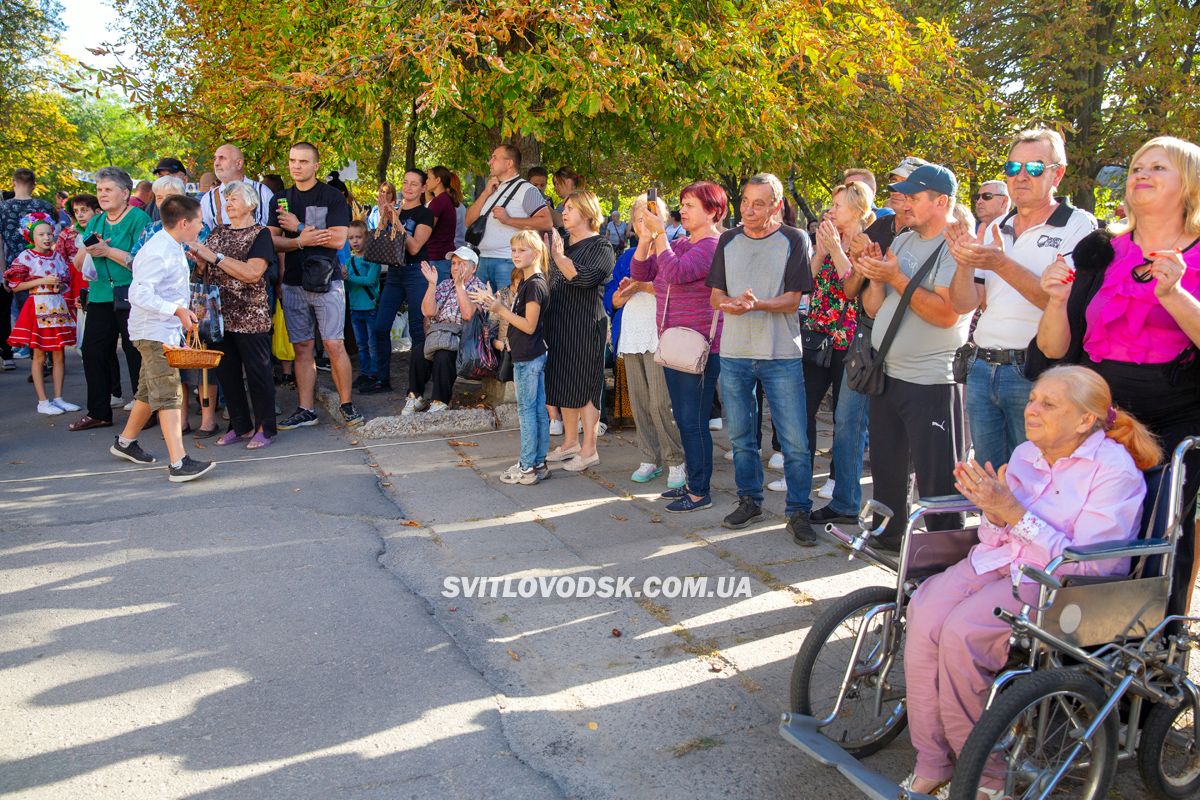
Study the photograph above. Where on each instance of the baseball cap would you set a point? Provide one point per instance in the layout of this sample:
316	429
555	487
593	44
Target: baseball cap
467	254
171	165
907	165
927	178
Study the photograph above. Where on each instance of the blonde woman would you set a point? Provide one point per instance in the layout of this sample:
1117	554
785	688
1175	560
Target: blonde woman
577	328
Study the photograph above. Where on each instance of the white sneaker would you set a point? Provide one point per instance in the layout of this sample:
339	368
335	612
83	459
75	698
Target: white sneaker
556	427
729	455
677	477
64	405
116	402
411	406
776	462
512	474
645	473
48	408
826	491
437	407
716	424
601	429
778	486
128	406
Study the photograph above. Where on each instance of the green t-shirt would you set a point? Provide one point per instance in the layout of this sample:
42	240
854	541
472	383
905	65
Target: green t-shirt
121	236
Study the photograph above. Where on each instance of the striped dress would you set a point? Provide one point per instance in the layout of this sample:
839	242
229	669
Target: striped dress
577	327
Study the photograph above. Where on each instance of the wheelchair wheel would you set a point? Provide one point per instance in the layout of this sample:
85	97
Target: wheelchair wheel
821	665
1031	729
1168	753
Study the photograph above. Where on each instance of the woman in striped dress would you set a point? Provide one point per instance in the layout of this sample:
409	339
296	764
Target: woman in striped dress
577	328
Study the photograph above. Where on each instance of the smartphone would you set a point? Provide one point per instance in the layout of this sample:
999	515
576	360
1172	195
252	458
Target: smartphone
91	240
652	195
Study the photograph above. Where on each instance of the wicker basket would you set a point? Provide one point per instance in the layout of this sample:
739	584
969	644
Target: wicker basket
193	354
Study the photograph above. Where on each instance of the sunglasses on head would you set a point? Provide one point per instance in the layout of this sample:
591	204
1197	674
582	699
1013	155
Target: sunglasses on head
1035	168
989	195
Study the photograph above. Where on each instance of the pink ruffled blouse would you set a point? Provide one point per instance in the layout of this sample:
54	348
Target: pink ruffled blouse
1125	321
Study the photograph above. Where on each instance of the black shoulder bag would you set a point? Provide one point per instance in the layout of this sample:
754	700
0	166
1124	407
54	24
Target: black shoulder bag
864	364
475	231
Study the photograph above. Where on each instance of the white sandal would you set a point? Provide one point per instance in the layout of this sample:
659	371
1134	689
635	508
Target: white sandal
942	790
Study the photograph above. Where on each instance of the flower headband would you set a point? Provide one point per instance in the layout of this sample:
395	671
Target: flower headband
30	222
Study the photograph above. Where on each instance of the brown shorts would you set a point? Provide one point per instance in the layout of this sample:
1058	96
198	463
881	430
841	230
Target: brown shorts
158	382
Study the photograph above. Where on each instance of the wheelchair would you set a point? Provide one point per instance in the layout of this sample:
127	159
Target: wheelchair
1098	672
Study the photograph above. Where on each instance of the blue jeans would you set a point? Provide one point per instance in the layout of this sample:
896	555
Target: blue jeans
849	443
362	322
996	398
442	265
408	287
496	271
783	385
530	380
691	400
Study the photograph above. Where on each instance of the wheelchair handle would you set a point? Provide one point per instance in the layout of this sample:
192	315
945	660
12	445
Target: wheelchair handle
1046	580
870	509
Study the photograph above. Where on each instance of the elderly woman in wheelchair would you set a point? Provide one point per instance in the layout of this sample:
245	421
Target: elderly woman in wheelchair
1077	481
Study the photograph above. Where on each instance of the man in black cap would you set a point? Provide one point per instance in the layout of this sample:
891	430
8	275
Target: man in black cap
166	166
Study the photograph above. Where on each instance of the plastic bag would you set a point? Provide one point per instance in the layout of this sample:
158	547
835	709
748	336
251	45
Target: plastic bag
401	341
476	356
281	346
206	305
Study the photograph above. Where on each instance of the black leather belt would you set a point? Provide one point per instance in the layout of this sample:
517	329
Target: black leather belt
1001	357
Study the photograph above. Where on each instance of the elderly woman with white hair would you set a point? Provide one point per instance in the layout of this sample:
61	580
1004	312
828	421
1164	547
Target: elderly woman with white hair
109	237
235	257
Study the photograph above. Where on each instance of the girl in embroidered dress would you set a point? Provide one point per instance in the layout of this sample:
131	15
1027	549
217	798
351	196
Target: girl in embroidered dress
46	324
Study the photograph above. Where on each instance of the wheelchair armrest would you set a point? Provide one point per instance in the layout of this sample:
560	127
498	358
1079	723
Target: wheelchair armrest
946	504
1107	550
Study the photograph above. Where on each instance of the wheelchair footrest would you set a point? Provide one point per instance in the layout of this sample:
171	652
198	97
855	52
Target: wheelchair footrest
803	732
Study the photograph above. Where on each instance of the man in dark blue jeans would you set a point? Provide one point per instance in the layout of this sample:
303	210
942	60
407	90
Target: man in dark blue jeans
759	273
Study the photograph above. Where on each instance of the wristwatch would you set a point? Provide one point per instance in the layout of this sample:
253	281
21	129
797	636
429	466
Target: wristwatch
220	257
299	228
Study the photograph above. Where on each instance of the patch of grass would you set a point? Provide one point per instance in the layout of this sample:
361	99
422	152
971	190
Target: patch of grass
695	745
502	618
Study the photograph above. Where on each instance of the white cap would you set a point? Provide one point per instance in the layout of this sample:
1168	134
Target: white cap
467	254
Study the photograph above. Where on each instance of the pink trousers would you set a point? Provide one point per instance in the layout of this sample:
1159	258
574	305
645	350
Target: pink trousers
954	645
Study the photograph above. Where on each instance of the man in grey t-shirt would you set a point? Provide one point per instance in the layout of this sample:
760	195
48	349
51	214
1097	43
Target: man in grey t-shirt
759	273
918	419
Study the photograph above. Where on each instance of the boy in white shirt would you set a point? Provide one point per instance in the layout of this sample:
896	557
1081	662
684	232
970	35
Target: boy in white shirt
159	313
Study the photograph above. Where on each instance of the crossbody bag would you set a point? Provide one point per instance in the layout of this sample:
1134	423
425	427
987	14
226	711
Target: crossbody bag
683	349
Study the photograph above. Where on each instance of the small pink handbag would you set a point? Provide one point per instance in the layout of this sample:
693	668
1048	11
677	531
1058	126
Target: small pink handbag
683	349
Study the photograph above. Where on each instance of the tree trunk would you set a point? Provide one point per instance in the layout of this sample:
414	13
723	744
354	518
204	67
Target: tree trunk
410	146
385	153
1086	109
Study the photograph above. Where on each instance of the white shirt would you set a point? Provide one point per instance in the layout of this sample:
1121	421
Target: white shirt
210	202
497	237
1010	321
639	331
159	289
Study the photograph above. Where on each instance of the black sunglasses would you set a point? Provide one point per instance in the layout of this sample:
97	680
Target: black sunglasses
1035	168
988	195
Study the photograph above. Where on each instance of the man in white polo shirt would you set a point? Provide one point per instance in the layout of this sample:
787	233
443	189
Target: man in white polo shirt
509	203
1002	268
229	165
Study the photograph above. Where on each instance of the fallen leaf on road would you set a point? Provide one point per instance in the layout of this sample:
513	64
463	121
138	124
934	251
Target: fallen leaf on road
411	523
198	444
591	726
619	518
16	462
354	441
295	490
456	443
384	483
656	519
616	632
714	668
452	609
513	654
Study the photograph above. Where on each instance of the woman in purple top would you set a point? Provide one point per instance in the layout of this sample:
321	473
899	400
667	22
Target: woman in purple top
678	271
441	198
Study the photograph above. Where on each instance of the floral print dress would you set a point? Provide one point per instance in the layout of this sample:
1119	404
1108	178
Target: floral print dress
829	311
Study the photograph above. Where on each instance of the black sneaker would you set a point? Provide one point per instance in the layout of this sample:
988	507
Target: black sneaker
133	452
288	381
827	514
350	415
300	418
802	530
362	382
323	365
747	512
377	387
189	469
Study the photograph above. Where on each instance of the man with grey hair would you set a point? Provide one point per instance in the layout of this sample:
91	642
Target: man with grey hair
759	273
1002	266
229	164
991	203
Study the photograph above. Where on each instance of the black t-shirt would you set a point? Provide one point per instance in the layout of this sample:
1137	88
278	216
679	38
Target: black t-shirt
882	232
523	346
322	206
410	218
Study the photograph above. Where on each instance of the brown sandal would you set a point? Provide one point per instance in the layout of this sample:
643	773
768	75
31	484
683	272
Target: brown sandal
86	423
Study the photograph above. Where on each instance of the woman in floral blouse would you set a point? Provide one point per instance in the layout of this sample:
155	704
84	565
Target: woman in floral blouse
235	257
829	311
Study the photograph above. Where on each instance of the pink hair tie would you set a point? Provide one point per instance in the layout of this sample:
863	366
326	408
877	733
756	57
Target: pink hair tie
1111	419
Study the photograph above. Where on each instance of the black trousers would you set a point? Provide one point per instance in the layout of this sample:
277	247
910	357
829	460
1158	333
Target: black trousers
818	381
104	327
248	355
1172	413
443	370
914	428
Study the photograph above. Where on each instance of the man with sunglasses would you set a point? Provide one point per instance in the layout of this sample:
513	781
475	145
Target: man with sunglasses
1002	268
991	203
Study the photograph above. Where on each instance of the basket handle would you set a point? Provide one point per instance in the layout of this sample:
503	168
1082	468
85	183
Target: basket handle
193	339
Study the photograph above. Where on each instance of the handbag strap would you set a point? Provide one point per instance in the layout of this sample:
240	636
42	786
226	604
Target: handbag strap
501	201
906	299
662	320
